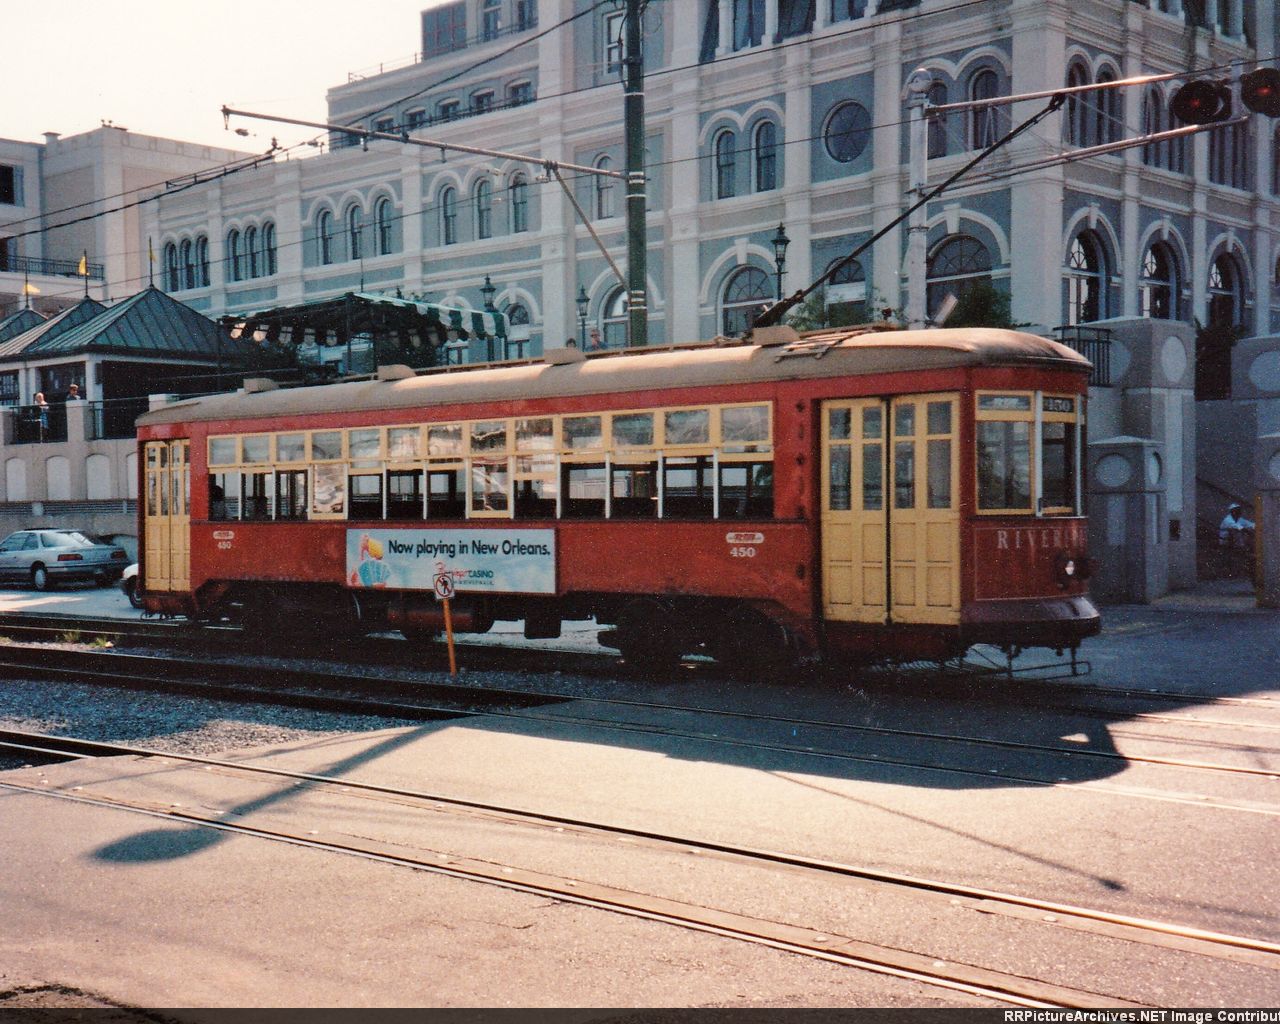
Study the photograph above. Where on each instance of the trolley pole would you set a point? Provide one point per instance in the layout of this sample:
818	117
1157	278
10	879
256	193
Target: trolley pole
633	112
917	95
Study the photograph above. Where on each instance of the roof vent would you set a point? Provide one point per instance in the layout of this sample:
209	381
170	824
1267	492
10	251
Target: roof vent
257	385
778	334
563	356
396	371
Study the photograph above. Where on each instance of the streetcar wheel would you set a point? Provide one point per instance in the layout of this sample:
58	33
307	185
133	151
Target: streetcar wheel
646	638
40	578
747	639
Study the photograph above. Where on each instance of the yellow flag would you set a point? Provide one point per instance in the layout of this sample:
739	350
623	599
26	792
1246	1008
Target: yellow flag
83	268
30	289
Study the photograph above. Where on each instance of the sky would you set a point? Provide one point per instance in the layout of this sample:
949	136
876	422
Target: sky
166	67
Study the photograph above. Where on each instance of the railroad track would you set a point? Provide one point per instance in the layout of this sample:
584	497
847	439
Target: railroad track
434	701
847	950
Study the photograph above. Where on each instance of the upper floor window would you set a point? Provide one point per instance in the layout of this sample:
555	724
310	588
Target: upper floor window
519	194
415	119
447	110
986	124
1087	279
937	124
748	23
251	251
324	236
235	257
1075	119
1229	156
482	101
519	92
490	19
384	124
355	231
726	148
1160	289
484	209
795	18
847	132
615	27
604	190
171	281
448	216
444	29
746	293
1226	291
1108	119
188	264
847	10
269	248
766	154
10	185
202	260
526	13
382	225
613	319
959	264
845	293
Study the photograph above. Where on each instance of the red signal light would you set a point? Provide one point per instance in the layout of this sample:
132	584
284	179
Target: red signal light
1260	91
1201	102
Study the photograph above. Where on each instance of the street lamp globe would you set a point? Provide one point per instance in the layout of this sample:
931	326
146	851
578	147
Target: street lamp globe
780	243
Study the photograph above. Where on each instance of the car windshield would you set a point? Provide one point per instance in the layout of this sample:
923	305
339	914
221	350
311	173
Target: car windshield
67	539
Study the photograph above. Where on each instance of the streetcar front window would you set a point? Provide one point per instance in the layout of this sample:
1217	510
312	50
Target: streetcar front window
1004	465
1058	452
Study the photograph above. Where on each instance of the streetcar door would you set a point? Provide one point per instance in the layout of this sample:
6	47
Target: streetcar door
166	533
891	554
924	539
853	511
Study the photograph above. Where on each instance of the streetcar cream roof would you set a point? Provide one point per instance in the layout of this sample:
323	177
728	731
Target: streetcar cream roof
634	371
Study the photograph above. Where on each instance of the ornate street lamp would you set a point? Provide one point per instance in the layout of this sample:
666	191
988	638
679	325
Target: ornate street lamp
780	243
583	301
488	291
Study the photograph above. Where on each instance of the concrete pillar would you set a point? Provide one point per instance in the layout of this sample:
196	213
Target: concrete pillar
1211	15
1235	19
1127	520
794	166
770	21
411	223
726	27
889	179
288	216
683	274
1267	534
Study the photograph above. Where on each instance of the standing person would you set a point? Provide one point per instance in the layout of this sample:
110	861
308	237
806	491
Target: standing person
73	393
42	411
1235	535
595	344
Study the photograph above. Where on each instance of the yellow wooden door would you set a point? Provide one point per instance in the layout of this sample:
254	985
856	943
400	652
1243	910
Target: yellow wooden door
854	577
924	538
166	521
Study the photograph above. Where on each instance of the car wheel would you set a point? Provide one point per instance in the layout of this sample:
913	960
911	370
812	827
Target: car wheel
131	592
40	578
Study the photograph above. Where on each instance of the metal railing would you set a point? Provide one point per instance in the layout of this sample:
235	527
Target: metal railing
49	268
115	419
37	424
1094	343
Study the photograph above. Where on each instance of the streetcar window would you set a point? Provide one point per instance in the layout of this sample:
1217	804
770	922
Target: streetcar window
584	484
536	435
745	428
329	495
489	437
366	496
871	421
490	481
256	495
583	433
222	451
404	493
838	472
687	488
687	426
904	470
633	430
1004	464
443	441
365	444
291	494
872	478
291	448
904	421
256	449
445	498
535	496
939	418
403	442
939	473
839	422
1058	457
224	496
326	445
746	490
634	491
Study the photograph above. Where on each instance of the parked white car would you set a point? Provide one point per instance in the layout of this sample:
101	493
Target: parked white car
129	584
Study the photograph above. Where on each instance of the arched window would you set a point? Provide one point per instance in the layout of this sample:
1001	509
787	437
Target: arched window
269	248
938	125
448	216
986	124
1075	118
958	264
202	260
1087	279
1226	291
188	266
726	147
519	194
613	319
1229	156
746	293
235	257
484	208
1154	154
604	190
251	251
1108	119
517	330
382	225
846	293
766	154
171	280
324	235
1159	292
355	233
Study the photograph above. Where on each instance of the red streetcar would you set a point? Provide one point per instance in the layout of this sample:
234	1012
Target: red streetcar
844	495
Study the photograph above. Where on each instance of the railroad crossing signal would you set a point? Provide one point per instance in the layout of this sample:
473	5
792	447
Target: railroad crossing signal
1207	102
1260	91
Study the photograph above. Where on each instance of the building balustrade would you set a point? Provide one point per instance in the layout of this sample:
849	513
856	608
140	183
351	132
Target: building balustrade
49	268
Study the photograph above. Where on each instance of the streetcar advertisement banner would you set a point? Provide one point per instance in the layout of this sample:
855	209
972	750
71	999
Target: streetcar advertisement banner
489	561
